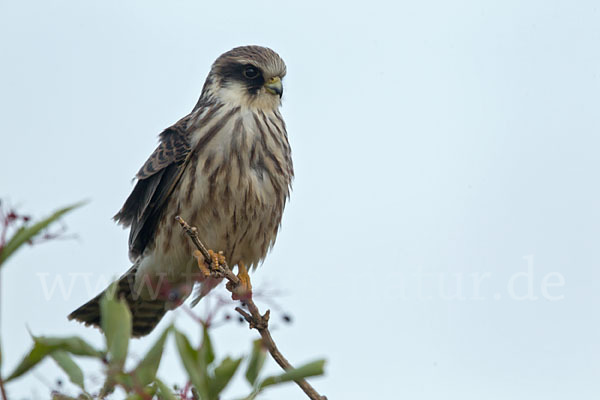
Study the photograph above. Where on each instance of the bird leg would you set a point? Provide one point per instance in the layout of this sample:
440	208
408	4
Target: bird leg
241	290
244	289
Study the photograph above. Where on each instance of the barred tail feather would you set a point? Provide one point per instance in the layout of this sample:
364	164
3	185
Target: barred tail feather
145	314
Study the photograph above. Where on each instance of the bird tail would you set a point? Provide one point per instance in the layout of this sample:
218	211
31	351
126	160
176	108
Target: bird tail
145	314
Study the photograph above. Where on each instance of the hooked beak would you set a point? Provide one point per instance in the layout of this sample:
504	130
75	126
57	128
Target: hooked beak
274	86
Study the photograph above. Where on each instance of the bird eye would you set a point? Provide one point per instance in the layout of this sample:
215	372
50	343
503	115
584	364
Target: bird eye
251	72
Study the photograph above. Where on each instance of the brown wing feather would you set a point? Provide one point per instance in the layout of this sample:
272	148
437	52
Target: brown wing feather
174	148
156	180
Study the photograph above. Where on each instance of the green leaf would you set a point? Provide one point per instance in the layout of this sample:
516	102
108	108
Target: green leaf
164	393
125	380
257	360
26	233
134	396
191	362
109	384
43	346
222	375
72	344
115	319
64	361
60	396
36	354
146	369
206	350
311	369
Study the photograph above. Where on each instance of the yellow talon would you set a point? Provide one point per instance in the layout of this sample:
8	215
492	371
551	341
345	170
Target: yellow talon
206	267
214	259
202	264
244	290
217	258
221	258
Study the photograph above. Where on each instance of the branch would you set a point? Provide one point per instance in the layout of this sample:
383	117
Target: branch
2	389
254	318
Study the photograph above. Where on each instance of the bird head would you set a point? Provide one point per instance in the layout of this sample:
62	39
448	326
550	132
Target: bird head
248	76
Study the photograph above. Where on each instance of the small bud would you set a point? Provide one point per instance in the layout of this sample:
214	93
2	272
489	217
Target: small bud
287	318
241	319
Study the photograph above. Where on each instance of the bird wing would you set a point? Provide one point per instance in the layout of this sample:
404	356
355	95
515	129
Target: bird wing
156	180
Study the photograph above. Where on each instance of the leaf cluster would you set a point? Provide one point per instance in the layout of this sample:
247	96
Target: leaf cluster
207	376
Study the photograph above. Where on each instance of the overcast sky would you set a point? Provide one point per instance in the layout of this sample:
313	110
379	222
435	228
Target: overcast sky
442	236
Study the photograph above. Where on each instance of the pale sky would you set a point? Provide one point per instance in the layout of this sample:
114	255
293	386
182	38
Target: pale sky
442	236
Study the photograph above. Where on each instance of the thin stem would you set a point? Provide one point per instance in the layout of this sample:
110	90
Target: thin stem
254	319
2	390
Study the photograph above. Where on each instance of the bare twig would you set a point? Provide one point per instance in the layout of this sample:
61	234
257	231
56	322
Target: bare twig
254	318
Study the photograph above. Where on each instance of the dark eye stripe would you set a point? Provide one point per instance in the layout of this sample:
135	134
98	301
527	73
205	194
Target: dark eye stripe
237	72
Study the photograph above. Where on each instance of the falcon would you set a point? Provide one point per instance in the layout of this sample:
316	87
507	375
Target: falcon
226	168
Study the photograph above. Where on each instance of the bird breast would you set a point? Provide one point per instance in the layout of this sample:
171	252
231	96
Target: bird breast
235	185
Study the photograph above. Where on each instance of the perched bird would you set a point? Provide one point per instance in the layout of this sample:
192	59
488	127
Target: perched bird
226	168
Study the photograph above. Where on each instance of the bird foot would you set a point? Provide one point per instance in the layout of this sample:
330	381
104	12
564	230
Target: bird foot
206	268
243	290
